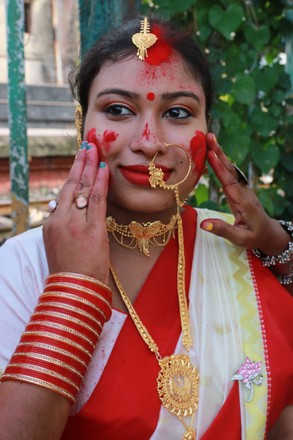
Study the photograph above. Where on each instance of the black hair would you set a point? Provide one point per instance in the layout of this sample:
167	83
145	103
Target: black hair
117	45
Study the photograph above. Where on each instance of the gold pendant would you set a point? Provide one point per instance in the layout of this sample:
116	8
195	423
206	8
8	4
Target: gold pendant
190	434
178	385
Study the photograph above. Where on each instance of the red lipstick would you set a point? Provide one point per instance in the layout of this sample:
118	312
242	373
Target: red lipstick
139	174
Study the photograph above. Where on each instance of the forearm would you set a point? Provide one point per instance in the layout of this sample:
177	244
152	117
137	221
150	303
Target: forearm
30	412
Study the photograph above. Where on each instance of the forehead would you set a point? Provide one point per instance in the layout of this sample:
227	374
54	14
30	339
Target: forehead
136	75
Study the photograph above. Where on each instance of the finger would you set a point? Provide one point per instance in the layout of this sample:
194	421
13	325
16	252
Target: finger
98	197
67	192
89	172
237	235
225	176
214	146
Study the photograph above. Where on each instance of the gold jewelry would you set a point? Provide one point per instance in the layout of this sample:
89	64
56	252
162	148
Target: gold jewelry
141	235
178	379
144	39
78	124
157	175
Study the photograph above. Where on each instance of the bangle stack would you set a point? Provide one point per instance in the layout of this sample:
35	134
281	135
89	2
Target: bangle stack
58	342
280	265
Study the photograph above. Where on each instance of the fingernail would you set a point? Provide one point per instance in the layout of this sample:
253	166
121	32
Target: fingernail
207	226
102	165
84	145
89	146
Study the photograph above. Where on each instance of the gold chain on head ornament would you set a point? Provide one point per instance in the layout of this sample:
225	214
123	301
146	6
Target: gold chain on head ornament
178	379
143	39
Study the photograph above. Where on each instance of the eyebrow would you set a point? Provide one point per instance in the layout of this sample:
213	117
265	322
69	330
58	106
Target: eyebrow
173	95
168	96
121	92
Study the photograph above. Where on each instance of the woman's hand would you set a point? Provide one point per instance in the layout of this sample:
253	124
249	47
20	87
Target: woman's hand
252	228
76	240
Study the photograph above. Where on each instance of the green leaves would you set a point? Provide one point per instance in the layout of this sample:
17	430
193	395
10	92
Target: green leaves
244	41
226	21
244	88
266	156
257	36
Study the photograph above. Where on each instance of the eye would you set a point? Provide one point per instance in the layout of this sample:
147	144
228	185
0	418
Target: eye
177	113
118	110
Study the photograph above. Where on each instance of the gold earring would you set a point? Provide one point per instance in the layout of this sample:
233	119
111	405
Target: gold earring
157	175
78	124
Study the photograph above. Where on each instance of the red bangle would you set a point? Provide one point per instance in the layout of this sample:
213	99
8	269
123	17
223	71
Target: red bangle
68	310
58	342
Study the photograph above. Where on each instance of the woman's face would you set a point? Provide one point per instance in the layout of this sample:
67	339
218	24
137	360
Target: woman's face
136	109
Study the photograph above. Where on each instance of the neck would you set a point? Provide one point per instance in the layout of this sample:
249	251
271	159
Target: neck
125	216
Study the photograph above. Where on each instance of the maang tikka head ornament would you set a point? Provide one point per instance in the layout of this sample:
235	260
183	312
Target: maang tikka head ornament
156	178
143	39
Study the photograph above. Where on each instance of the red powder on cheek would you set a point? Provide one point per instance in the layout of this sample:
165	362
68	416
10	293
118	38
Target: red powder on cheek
198	148
150	96
109	136
146	133
92	138
161	51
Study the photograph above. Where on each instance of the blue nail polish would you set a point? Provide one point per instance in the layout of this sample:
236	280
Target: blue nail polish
88	147
84	145
102	165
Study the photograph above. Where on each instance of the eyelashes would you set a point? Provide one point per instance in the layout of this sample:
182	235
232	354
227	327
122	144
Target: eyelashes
118	110
175	112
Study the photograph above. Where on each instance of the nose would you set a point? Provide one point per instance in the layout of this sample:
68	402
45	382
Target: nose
150	141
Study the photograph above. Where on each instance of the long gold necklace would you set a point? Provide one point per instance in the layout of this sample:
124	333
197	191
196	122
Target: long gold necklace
141	235
178	379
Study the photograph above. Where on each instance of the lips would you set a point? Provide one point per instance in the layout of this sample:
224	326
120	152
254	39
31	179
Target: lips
139	174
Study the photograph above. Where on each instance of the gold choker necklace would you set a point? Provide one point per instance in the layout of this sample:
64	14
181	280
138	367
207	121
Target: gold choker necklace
178	379
141	235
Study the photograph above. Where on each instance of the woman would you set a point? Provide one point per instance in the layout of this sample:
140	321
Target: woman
158	371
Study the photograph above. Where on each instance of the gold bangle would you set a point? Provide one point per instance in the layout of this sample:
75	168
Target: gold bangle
35	381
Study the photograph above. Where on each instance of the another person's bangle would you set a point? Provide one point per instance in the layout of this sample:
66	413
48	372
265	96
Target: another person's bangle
280	265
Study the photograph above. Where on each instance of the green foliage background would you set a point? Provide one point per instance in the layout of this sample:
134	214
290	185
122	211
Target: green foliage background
252	118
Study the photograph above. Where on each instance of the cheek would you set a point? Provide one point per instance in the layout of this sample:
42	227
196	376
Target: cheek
103	142
198	149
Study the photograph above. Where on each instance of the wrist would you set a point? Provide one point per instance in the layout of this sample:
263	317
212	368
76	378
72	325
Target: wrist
281	265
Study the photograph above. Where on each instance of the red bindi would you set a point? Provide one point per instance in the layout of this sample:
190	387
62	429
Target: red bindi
151	96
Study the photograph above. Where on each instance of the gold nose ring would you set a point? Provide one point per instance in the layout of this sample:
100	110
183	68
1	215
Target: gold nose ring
156	178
